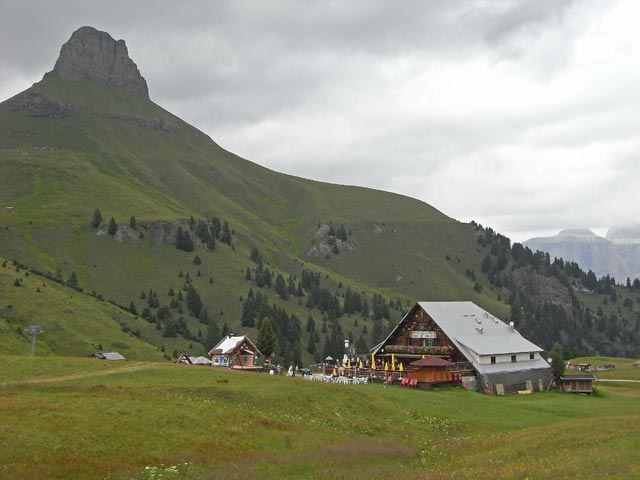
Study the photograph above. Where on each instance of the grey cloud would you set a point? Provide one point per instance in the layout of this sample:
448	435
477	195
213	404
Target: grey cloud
316	89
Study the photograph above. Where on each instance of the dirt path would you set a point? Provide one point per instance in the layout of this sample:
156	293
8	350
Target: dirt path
613	380
78	375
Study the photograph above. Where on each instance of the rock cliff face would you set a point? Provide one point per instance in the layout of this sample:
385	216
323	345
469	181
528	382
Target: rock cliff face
617	255
94	55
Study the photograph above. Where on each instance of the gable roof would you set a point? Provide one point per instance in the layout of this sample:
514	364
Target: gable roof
475	329
475	332
432	362
229	345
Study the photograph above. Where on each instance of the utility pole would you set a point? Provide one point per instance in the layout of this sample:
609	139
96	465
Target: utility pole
34	330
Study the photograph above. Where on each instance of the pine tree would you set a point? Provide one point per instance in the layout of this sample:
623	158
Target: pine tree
73	280
266	340
132	308
342	233
96	218
113	227
132	222
225	330
213	336
187	243
225	236
281	287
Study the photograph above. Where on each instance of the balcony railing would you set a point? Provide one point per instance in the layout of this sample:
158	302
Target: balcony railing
418	350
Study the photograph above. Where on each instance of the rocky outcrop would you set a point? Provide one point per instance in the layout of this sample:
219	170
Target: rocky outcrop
162	233
124	233
617	255
37	104
541	288
323	244
94	55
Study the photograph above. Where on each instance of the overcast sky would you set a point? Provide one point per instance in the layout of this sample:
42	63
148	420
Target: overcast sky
521	115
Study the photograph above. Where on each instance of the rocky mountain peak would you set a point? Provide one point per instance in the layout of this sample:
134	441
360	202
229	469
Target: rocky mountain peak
94	55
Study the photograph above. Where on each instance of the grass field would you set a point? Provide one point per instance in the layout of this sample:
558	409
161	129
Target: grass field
63	417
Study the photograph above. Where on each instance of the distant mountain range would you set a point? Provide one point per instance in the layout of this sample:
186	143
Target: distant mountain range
617	254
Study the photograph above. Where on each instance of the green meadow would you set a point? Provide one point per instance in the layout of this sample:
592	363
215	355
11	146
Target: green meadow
64	417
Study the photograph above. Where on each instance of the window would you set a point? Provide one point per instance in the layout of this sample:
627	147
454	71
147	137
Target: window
493	360
513	359
532	356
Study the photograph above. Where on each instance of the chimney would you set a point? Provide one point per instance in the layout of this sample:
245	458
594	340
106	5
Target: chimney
479	329
512	327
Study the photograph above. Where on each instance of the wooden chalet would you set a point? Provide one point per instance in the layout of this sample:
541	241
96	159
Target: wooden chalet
462	343
577	383
236	352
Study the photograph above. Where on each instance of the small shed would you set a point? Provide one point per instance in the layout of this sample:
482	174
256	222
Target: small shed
108	356
235	352
577	383
431	369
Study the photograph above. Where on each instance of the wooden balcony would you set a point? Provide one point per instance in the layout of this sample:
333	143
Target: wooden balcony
418	350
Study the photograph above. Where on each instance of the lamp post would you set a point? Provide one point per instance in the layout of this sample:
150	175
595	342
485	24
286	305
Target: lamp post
350	353
346	349
34	330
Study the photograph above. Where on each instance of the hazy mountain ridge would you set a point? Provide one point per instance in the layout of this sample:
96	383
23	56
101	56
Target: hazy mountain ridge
617	254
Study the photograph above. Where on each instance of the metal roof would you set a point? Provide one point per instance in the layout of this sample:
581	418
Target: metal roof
476	329
108	356
578	377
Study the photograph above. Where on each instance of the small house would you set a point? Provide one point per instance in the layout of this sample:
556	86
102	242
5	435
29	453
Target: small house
237	352
577	383
431	370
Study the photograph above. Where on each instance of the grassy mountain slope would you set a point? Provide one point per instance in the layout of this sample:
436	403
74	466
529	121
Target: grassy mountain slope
74	324
69	147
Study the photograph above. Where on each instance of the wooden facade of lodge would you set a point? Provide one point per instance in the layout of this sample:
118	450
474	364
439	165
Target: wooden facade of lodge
460	343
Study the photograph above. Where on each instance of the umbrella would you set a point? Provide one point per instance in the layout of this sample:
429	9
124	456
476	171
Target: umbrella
360	365
349	363
386	367
373	361
401	367
335	374
393	362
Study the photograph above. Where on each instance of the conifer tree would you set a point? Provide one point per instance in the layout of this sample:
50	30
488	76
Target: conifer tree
266	340
225	236
281	287
96	218
342	233
132	222
187	242
113	227
73	280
